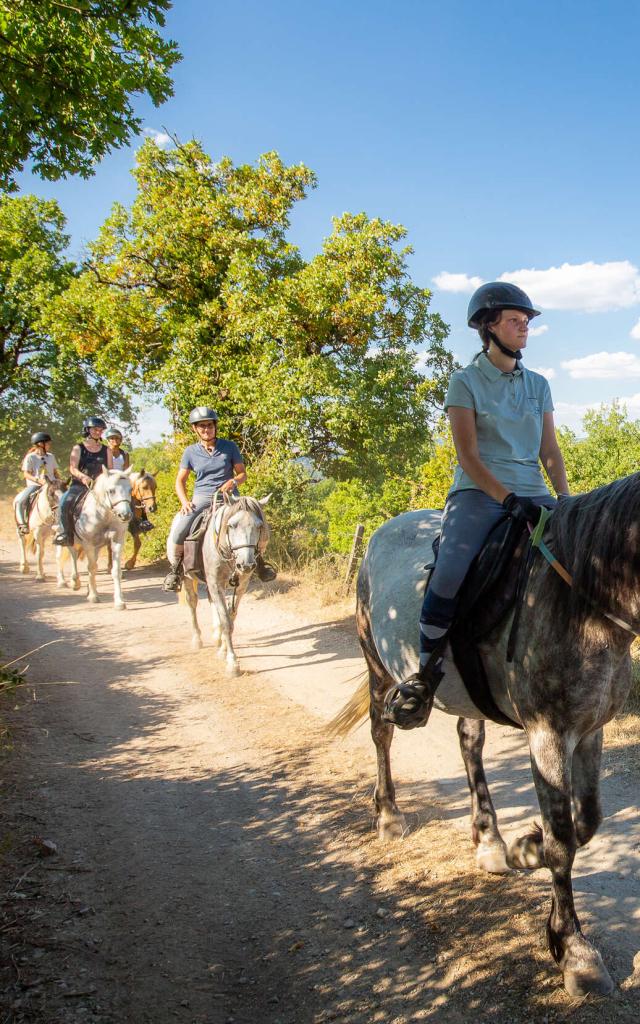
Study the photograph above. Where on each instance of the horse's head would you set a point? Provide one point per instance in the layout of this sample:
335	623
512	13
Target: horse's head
245	530
55	490
143	490
113	489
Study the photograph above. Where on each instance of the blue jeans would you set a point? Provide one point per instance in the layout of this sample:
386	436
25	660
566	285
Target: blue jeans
21	502
180	531
468	518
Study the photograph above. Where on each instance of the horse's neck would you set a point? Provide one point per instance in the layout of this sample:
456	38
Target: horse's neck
43	506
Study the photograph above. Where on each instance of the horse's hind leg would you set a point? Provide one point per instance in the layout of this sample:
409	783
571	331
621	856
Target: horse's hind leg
585	782
491	852
390	822
131	562
24	561
583	970
190	591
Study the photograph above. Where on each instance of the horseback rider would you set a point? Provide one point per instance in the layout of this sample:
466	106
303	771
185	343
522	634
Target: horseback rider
119	458
219	468
85	465
39	460
501	417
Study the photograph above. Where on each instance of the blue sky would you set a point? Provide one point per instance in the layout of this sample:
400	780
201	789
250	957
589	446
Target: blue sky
504	136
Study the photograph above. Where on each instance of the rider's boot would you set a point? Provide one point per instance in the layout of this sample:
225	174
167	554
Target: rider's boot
173	579
21	519
62	537
409	704
264	570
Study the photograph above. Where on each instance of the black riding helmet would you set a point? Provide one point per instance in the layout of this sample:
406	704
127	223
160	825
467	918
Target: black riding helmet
40	438
497	295
92	421
202	412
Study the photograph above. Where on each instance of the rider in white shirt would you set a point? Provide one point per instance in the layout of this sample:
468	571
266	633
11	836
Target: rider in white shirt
38	460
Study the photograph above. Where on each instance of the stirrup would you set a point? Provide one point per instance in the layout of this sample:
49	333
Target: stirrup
265	571
408	705
173	580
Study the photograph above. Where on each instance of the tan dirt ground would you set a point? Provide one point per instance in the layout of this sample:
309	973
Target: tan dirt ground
215	859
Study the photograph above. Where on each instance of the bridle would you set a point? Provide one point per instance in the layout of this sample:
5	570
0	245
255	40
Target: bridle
221	525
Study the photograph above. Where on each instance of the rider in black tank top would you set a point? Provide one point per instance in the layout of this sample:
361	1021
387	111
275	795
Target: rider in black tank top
91	463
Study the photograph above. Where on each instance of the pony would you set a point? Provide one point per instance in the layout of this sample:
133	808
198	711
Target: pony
103	520
570	674
42	518
236	531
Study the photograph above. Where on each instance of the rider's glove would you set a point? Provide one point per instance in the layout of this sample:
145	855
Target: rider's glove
521	508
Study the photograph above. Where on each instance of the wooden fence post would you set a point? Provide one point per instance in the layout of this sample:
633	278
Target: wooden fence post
354	557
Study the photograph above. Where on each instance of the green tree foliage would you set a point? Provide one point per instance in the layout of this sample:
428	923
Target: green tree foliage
610	449
435	476
67	72
196	294
42	386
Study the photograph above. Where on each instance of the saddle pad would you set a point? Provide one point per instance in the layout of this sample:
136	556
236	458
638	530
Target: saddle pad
487	595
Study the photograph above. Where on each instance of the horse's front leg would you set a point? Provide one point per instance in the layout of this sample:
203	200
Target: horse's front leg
131	562
115	549
24	561
73	552
190	591
236	596
60	557
92	565
583	970
220	613
491	852
39	539
585	781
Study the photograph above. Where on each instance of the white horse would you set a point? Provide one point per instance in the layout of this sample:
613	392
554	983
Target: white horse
41	521
236	532
103	520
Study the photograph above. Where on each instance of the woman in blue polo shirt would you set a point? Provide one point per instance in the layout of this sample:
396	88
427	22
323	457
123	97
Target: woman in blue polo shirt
501	417
218	467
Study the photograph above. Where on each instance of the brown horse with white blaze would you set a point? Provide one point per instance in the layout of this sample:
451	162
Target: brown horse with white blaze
570	674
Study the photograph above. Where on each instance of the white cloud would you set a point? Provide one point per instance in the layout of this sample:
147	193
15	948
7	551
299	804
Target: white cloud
535	332
603	366
547	372
161	139
635	331
447	282
587	287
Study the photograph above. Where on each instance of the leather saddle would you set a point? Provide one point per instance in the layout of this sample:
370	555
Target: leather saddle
192	561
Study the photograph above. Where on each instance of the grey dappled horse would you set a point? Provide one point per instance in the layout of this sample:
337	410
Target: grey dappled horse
236	532
571	674
103	521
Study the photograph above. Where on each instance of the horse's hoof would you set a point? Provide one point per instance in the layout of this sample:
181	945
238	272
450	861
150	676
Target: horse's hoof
129	565
93	599
584	973
390	826
61	585
41	579
196	644
233	669
493	858
119	606
527	852
78	586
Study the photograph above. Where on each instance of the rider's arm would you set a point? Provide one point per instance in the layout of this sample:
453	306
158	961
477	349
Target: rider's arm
551	456
465	438
239	477
127	460
74	463
109	459
181	479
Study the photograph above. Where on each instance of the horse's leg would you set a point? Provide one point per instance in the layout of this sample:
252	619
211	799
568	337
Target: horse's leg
39	538
24	561
92	564
115	552
137	543
60	557
585	780
75	575
109	557
583	970
190	591
491	852
390	822
219	608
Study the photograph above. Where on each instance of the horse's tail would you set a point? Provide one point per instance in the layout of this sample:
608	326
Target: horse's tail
30	544
353	713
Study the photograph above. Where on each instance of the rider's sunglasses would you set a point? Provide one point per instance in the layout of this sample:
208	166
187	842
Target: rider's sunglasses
208	425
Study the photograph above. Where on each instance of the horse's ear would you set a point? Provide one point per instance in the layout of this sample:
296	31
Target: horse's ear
265	501
105	470
141	471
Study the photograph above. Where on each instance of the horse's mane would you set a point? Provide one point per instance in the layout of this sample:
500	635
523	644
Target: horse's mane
596	536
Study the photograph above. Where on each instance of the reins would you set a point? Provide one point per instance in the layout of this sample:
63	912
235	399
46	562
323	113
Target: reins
537	543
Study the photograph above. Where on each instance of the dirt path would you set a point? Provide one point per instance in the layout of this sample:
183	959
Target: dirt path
215	860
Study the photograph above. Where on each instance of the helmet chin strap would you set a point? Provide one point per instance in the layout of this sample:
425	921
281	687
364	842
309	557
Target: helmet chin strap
503	348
